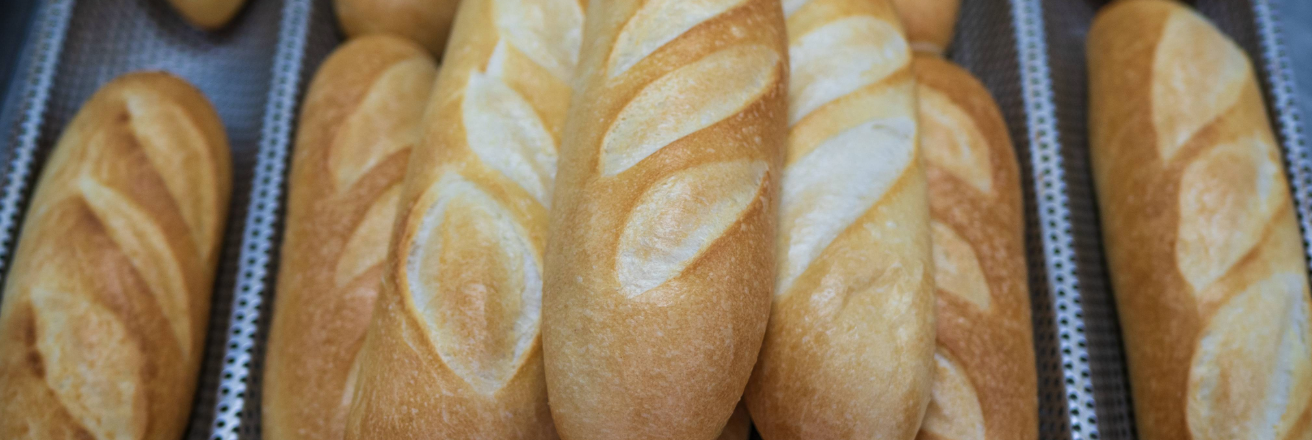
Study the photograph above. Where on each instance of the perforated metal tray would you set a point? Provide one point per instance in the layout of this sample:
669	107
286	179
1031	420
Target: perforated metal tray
1102	399
75	47
256	70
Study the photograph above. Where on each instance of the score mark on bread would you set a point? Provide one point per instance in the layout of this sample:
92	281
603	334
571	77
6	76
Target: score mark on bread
1197	76
170	140
954	411
832	186
679	217
1247	363
840	58
378	127
1227	196
507	135
694	97
952	141
957	269
91	363
469	247
547	32
657	23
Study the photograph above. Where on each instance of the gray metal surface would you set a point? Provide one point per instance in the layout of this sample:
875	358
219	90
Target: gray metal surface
77	46
1252	24
307	36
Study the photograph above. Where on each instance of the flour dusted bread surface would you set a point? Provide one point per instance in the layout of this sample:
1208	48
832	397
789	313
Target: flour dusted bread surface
427	22
929	24
1202	242
453	350
360	118
853	296
660	264
207	14
985	384
106	304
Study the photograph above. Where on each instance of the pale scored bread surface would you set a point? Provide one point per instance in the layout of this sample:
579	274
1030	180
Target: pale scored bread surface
668	180
852	247
1250	365
683	214
133	153
472	268
1255	349
954	142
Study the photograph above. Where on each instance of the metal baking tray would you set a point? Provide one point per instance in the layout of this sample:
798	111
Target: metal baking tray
1101	392
74	47
257	69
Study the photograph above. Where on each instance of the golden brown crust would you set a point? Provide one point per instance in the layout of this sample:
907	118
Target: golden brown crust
360	118
1202	243
660	268
929	24
986	386
207	14
854	294
105	310
427	22
453	350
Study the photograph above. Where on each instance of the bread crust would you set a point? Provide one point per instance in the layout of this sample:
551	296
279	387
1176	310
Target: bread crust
427	22
1201	238
854	294
107	302
930	24
453	350
985	386
207	14
661	262
360	118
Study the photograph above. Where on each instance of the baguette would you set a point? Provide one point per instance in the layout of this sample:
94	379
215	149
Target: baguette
929	24
985	384
107	302
427	22
855	294
1202	244
658	276
207	14
360	118
455	336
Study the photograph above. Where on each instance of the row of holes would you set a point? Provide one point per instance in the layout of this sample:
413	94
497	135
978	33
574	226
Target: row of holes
1055	216
275	141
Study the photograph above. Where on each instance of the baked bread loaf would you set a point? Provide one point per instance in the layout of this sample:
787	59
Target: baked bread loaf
661	262
985	383
739	426
854	296
107	302
358	122
454	350
207	14
929	24
427	22
1202	244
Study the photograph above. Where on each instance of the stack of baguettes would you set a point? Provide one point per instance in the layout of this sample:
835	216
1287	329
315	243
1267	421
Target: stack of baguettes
654	294
106	305
1202	243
